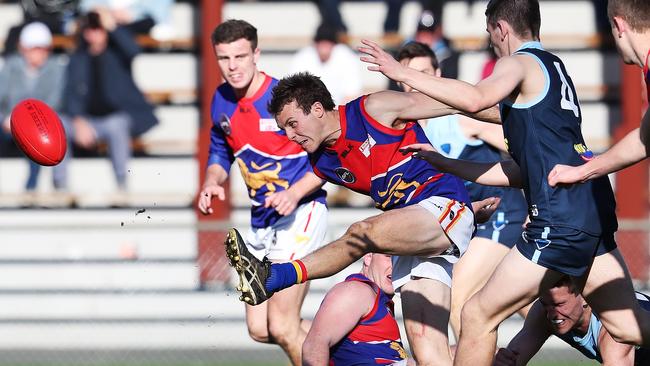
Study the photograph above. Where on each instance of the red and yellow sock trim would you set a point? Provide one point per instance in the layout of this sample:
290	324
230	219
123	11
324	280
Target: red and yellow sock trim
301	271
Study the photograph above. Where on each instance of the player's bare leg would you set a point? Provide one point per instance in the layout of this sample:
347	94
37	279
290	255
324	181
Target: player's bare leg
284	321
425	305
399	232
471	272
505	292
256	322
609	291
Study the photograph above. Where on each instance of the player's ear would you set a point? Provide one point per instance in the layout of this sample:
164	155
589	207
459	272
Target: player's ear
620	25
502	28
367	259
256	55
438	72
317	109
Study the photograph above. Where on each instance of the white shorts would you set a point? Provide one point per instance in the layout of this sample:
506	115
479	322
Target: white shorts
457	221
291	237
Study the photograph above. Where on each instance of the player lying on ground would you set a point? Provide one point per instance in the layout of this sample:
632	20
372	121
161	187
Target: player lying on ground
563	312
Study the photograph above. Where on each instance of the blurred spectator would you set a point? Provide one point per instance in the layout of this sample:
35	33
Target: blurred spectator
32	73
331	16
59	16
102	102
335	63
139	16
429	31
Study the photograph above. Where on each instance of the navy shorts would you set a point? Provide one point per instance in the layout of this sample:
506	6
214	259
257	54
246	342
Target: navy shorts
504	227
562	249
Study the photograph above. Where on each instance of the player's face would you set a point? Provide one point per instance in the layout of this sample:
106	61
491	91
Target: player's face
421	63
300	128
237	62
380	270
564	310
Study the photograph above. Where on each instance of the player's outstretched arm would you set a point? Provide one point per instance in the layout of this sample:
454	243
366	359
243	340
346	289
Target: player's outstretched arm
284	202
212	186
507	75
504	173
528	341
491	134
344	305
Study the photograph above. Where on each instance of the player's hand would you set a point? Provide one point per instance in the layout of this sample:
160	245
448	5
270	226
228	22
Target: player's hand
381	60
205	197
84	133
565	174
505	357
425	152
484	209
284	202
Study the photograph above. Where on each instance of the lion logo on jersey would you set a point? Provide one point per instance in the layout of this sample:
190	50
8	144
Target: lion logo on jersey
396	190
261	176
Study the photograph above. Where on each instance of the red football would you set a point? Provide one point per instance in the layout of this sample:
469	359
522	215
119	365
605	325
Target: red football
38	131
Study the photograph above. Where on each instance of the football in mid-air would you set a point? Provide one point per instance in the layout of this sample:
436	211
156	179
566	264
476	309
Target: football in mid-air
38	131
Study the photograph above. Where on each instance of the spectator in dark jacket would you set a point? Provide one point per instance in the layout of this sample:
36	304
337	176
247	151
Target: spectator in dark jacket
101	100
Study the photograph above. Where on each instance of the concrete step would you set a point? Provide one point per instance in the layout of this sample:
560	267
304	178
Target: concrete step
108	235
151	182
75	276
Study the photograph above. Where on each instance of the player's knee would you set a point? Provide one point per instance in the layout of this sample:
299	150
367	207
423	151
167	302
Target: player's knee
282	332
472	319
258	333
360	234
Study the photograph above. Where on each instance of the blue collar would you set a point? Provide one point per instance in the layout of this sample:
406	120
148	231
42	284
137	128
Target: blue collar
531	44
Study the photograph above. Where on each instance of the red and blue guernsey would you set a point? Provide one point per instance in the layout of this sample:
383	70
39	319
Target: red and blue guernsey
244	131
366	158
375	340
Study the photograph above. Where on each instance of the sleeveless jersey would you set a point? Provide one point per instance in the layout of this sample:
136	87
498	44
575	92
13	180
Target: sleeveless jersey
446	136
588	344
375	340
546	132
245	132
366	158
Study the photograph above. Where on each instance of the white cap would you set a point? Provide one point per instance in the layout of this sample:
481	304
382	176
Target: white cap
35	34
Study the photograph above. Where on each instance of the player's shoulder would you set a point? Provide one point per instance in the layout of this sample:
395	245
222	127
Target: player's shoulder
358	290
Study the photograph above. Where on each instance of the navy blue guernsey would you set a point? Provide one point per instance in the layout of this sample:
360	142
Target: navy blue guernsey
546	132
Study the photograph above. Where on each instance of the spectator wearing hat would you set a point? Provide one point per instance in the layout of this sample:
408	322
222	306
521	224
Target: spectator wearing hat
33	72
335	63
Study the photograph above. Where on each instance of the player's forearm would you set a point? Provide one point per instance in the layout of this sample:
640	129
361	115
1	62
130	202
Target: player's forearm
306	185
504	173
490	115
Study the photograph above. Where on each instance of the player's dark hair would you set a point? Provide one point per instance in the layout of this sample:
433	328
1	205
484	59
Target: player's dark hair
522	15
568	282
303	88
417	49
233	30
635	12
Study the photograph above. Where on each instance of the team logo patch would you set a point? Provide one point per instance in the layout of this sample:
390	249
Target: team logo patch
224	123
583	151
345	175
